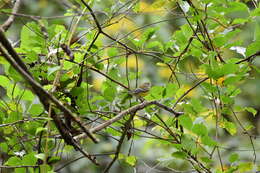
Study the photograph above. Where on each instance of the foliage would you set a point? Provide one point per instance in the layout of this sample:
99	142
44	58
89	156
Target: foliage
69	88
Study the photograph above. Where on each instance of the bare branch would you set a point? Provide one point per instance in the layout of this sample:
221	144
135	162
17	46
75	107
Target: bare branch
10	19
132	109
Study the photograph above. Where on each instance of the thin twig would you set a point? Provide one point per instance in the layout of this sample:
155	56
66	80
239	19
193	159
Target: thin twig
120	143
125	112
246	132
22	121
20	166
188	91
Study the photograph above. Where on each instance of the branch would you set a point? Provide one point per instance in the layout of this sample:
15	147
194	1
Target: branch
120	143
10	19
108	77
249	58
188	91
130	110
45	97
93	15
22	121
168	109
121	115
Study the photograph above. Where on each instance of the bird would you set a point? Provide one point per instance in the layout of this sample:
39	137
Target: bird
139	92
142	90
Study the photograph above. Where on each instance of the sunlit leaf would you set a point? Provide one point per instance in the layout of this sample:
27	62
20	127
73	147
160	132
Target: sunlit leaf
131	160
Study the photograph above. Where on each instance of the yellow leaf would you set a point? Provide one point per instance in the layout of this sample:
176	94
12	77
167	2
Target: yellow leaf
97	83
156	8
164	72
119	24
132	63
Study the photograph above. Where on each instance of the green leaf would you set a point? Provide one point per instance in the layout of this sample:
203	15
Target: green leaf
36	109
40	129
53	70
77	91
218	71
188	143
46	168
131	160
179	155
230	127
31	56
251	110
4	147
182	37
4	81
120	156
148	33
113	73
112	52
220	41
135	41
171	90
28	95
13	116
110	93
157	92
245	167
199	129
54	159
255	12
233	157
29	159
232	79
155	44
210	88
253	48
208	141
213	72
232	91
67	65
136	7
229	68
14	74
237	7
13	161
206	160
31	37
185	121
240	21
196	105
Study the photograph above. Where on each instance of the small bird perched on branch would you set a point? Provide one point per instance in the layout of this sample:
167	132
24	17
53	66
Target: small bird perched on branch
139	92
142	90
